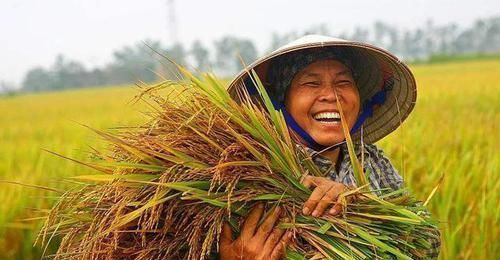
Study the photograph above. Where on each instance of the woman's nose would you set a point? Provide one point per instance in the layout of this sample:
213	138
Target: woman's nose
328	93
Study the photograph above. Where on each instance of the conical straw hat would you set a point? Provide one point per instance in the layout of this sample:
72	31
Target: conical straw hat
377	70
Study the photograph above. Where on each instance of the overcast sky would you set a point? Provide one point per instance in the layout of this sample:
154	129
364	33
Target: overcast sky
33	32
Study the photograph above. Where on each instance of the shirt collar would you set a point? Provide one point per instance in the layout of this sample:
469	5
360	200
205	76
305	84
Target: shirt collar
344	152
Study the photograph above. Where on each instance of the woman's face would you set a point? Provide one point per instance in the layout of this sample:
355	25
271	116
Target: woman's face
311	100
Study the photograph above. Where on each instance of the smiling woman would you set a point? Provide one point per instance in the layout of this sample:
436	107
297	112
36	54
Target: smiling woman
271	157
312	81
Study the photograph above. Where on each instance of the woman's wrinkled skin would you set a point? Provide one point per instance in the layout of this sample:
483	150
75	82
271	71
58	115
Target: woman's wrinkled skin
312	94
312	102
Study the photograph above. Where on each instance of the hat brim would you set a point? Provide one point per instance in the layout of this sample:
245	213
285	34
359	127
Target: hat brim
373	64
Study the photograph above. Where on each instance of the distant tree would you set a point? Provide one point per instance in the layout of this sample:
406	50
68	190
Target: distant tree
490	37
135	63
64	73
448	34
225	50
97	77
278	40
177	54
231	52
200	55
360	34
38	79
465	41
247	52
394	44
417	44
406	43
68	73
321	29
380	33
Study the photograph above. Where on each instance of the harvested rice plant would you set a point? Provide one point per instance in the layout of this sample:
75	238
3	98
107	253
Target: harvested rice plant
451	136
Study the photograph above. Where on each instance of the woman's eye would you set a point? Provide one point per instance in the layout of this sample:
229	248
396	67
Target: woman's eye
312	83
344	82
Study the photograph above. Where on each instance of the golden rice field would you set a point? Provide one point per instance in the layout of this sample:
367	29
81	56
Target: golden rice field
453	132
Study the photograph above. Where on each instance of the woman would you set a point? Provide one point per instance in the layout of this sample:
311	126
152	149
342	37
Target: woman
306	79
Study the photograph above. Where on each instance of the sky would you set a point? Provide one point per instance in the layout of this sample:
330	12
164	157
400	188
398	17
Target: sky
33	32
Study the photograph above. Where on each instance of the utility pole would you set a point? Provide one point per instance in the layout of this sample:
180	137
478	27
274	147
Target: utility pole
166	69
172	22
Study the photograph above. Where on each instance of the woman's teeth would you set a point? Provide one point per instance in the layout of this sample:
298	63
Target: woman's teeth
328	117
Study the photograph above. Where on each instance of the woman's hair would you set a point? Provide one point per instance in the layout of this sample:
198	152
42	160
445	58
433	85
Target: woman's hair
283	69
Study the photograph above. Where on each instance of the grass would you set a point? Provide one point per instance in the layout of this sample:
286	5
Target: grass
452	133
34	122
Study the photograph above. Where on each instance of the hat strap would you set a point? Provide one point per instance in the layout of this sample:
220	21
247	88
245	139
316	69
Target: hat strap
369	105
311	143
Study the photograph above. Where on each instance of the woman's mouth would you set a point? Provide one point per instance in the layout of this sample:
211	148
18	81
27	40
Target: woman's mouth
327	117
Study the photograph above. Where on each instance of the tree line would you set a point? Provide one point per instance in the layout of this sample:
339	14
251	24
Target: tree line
143	61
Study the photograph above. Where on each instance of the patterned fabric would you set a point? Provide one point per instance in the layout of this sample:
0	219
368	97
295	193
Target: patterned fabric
382	176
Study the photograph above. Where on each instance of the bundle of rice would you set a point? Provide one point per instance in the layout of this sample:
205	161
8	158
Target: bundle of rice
204	159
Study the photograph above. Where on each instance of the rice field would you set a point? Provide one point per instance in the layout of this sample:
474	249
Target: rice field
452	133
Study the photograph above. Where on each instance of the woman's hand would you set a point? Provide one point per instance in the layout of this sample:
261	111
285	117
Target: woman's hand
325	193
256	242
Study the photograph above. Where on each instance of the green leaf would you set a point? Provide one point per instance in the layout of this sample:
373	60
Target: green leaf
325	227
293	255
273	197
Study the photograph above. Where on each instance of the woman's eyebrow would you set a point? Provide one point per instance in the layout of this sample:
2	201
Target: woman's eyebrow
310	74
313	74
343	72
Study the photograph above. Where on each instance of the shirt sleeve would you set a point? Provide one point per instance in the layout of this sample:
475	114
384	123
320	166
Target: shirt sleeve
387	177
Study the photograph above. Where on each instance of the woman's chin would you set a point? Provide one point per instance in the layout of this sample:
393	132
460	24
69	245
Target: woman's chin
329	140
